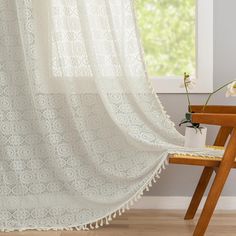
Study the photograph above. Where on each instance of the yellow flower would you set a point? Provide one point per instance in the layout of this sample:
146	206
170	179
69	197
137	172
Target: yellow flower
231	89
189	81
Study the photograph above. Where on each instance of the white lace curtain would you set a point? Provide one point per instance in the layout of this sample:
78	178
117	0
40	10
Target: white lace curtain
81	132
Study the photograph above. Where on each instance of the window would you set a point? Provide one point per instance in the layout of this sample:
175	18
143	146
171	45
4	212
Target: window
177	37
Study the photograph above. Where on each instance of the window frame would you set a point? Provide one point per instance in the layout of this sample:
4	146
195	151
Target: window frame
204	55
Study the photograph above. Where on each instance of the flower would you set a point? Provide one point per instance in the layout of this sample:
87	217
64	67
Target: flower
189	82
231	89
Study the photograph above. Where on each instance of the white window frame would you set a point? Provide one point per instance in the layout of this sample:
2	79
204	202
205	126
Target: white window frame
204	55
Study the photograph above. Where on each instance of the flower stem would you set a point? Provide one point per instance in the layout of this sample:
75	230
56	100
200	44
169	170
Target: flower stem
189	103
210	95
187	93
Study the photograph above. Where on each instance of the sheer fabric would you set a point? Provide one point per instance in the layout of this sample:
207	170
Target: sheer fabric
81	132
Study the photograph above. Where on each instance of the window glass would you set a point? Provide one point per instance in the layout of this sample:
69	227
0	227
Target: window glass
167	29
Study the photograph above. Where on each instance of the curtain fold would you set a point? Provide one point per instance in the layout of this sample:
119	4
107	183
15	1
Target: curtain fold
82	134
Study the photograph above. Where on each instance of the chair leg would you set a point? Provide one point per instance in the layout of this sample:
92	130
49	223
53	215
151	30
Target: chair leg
210	204
206	175
217	186
198	194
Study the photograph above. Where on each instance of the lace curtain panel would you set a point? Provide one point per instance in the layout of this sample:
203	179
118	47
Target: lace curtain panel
82	134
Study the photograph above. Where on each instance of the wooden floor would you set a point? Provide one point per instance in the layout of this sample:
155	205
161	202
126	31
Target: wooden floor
149	223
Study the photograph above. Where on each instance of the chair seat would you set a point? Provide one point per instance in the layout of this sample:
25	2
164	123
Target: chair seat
197	160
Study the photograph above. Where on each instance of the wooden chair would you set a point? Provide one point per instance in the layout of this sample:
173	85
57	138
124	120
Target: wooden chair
225	117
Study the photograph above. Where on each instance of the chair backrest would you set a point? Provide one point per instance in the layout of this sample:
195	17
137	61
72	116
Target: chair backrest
213	109
222	136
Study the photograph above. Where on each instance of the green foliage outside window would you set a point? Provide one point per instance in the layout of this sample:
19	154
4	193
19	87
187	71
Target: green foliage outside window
167	29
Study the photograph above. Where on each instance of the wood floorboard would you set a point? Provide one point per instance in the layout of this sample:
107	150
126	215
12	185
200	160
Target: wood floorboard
150	223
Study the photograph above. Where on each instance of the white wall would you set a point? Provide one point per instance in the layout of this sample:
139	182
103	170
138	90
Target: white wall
180	180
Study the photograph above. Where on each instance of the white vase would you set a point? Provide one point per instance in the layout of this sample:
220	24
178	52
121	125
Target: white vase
195	138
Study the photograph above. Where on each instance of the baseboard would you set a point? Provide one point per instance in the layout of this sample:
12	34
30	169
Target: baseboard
180	203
